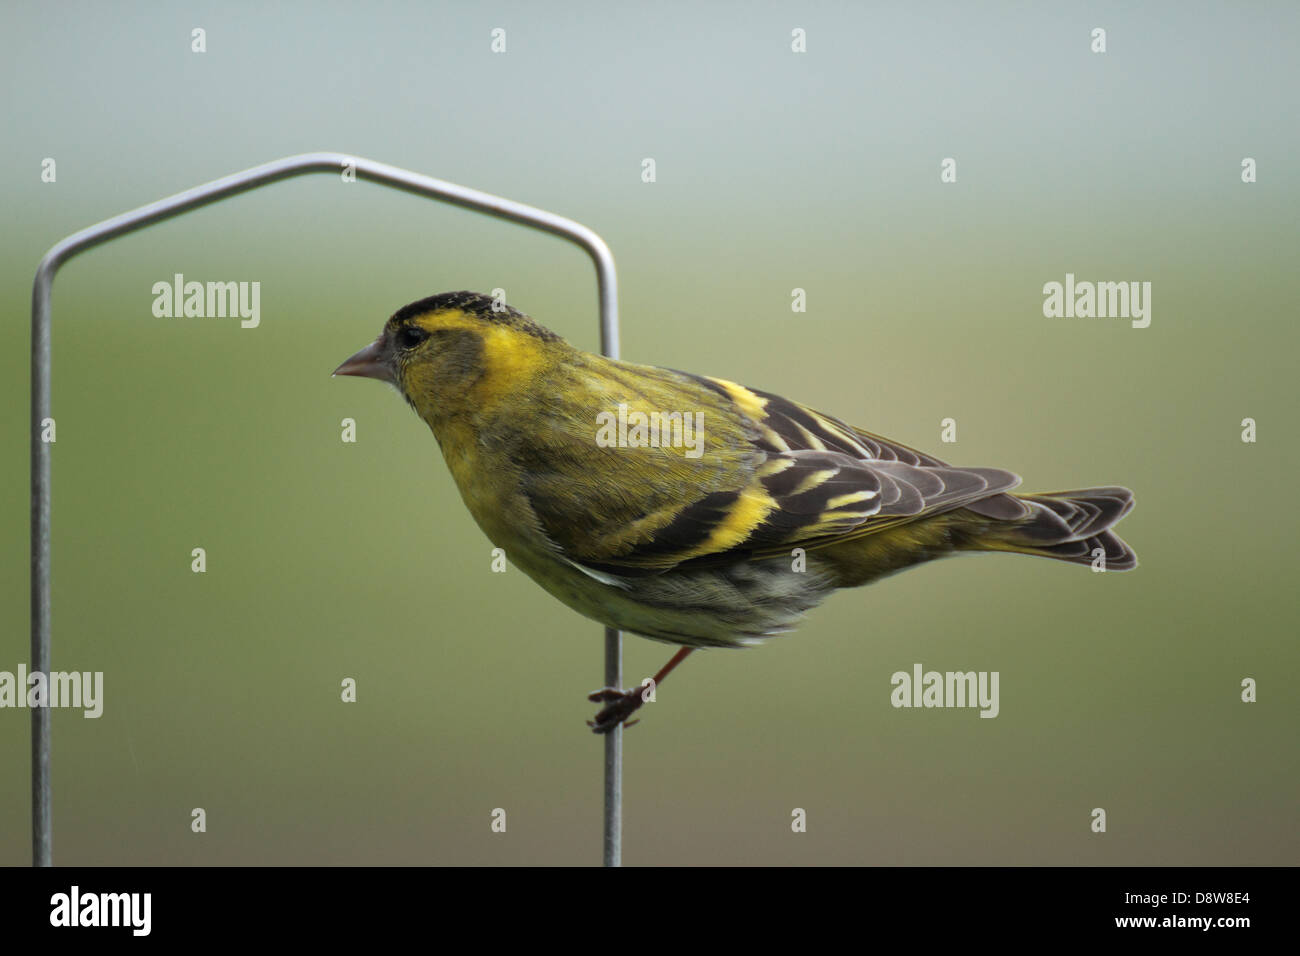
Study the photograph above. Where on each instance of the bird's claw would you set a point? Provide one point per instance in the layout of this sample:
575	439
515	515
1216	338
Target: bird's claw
619	706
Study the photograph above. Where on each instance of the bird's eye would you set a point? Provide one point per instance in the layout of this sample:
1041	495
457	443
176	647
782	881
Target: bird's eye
411	336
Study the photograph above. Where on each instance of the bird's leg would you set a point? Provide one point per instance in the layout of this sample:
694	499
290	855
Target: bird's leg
622	704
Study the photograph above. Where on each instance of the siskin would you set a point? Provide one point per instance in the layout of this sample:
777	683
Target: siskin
688	509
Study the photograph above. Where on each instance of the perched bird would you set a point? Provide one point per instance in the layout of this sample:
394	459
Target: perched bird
688	509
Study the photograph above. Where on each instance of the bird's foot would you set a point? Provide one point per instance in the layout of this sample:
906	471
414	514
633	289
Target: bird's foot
619	706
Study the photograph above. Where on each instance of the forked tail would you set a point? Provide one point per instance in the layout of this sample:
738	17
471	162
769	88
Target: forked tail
1067	525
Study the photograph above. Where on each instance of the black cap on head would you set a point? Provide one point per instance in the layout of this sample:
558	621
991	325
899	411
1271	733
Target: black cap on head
476	304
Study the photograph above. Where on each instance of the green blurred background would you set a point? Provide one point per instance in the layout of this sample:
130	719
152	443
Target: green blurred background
775	170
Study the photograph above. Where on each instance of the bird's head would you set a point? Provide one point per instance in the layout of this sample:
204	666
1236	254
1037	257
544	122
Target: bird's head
455	353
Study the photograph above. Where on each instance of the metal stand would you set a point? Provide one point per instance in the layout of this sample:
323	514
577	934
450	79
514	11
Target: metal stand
42	822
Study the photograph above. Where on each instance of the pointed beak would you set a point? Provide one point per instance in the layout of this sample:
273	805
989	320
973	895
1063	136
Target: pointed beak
370	362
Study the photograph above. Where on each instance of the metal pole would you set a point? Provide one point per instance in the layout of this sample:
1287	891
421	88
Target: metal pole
61	252
614	756
613	828
42	825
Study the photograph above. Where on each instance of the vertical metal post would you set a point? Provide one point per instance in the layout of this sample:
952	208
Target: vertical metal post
614	756
61	252
613	842
42	823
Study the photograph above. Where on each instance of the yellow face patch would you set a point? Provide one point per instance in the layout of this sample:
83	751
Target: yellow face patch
511	358
448	319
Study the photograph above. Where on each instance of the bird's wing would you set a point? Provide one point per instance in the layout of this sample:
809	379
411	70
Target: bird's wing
794	426
783	476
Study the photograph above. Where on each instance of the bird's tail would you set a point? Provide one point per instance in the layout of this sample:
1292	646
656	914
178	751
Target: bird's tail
1070	526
